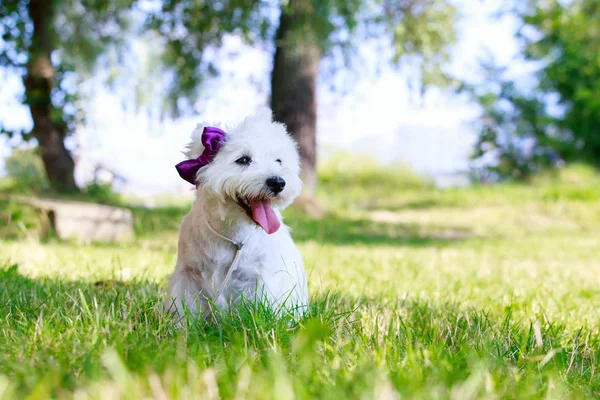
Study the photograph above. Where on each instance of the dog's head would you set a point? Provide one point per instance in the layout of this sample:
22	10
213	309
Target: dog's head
256	168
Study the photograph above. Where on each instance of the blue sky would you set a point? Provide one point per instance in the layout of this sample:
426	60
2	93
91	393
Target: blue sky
379	116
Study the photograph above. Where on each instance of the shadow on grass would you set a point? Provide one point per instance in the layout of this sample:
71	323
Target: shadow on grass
337	230
422	200
57	333
331	229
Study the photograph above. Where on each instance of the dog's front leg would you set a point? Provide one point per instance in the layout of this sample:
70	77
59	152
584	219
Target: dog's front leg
185	292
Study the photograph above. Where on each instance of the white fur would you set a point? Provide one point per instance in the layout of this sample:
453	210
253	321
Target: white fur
270	266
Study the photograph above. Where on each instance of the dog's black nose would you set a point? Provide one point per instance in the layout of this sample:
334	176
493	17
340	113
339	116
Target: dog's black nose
276	184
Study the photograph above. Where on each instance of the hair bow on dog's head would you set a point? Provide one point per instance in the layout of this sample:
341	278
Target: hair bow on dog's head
212	139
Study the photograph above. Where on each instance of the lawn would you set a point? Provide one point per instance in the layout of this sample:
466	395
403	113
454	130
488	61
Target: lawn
484	292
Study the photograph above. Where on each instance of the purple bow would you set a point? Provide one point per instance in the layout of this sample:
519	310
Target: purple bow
212	139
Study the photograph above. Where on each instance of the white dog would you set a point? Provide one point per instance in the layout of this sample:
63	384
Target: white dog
232	244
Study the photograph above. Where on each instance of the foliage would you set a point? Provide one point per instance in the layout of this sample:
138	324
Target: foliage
187	29
20	221
559	117
102	193
84	30
423	30
25	165
567	39
419	30
483	292
515	138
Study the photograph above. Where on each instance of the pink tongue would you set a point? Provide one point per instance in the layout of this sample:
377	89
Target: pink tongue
264	215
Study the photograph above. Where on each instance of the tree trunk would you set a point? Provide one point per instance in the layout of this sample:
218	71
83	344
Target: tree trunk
293	87
39	80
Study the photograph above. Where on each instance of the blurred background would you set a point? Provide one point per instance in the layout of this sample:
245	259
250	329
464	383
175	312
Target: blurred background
103	94
449	226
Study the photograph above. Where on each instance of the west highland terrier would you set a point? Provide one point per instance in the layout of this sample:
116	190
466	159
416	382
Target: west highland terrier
233	245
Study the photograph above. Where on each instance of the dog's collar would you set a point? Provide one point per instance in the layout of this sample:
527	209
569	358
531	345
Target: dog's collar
238	245
236	257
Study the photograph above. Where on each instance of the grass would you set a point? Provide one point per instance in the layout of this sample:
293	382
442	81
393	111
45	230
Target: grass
485	292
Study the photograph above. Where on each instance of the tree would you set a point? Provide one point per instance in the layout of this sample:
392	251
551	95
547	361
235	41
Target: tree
567	40
420	30
306	31
298	52
47	42
513	140
557	118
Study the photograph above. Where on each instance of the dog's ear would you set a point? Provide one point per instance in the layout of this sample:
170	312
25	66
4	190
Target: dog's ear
195	147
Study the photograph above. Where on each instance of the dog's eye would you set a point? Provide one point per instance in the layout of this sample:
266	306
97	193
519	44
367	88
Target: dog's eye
278	161
243	160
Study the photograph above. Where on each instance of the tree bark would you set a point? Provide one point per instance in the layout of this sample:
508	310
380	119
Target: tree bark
293	87
39	80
